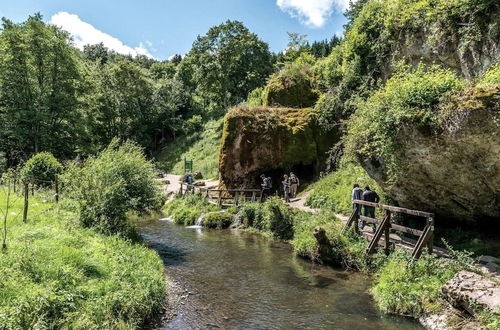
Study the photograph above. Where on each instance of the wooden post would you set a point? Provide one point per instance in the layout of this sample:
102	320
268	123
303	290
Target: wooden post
26	201
378	234
253	196
220	198
430	243
353	219
236	198
56	182
387	232
180	191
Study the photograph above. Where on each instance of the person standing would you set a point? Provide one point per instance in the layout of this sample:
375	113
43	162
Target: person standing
266	186
294	185
357	194
369	211
286	188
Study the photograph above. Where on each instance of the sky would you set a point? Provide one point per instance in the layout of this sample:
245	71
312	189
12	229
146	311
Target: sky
162	28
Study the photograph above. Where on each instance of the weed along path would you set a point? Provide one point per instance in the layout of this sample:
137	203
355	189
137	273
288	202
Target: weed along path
236	280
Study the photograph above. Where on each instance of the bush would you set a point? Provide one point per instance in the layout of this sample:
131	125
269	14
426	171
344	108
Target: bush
41	169
272	216
185	210
118	180
219	220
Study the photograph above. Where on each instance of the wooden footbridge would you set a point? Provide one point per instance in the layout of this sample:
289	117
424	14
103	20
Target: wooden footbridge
388	232
223	197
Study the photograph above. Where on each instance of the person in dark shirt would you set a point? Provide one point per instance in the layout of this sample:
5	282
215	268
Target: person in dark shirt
369	211
357	193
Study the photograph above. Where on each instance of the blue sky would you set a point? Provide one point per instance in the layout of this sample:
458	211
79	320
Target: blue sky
161	28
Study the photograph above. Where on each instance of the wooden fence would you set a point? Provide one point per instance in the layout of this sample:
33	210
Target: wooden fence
385	226
223	197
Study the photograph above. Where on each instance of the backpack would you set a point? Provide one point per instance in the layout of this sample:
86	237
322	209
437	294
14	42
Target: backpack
269	182
294	180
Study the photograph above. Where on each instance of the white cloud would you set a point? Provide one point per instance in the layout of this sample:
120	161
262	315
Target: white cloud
313	13
84	33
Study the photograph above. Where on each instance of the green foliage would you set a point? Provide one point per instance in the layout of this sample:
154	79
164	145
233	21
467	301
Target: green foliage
202	147
56	275
185	210
412	288
41	169
255	97
333	192
409	99
491	77
219	220
292	86
218	67
272	216
109	185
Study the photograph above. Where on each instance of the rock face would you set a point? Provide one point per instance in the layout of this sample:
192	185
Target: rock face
450	48
271	141
457	173
471	291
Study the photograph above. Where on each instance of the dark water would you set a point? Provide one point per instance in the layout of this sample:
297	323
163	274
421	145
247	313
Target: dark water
235	280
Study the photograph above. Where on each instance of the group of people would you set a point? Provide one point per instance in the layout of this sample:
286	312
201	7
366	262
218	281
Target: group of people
290	185
367	195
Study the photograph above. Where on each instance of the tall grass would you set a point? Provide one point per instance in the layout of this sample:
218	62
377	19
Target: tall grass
54	274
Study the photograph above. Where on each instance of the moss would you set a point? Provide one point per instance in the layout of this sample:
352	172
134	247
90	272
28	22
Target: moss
261	139
219	220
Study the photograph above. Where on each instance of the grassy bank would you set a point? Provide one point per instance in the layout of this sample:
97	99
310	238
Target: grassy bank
55	274
202	147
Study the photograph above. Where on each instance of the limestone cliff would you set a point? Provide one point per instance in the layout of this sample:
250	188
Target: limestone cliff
455	173
269	140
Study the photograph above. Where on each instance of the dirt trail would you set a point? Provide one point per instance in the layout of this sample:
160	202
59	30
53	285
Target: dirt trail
174	183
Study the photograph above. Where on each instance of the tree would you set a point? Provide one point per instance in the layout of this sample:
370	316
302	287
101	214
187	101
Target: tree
39	75
227	63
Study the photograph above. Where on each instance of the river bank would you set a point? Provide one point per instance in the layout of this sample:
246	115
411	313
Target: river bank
399	285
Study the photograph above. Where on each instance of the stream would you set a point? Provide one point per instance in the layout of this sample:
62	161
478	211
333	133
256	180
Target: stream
237	280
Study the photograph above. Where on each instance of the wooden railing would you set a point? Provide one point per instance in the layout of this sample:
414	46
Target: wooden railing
223	197
425	236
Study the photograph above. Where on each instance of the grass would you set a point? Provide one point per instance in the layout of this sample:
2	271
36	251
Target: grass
201	147
219	220
57	275
333	192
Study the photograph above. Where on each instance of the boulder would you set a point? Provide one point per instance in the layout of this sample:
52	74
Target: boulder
258	140
487	259
197	175
471	292
456	173
324	251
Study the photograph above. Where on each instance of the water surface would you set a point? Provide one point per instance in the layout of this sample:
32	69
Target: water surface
236	280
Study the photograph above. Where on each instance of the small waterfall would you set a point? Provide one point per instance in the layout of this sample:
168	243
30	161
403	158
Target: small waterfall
200	219
198	222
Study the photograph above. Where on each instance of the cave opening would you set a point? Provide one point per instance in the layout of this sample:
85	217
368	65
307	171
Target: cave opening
305	172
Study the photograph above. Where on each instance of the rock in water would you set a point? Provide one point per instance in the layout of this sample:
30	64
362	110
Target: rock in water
471	291
324	251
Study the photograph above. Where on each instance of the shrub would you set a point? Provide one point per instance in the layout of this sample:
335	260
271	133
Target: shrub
118	180
272	216
185	210
219	220
41	169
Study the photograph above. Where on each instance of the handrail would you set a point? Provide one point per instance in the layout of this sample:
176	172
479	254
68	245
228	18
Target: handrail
395	209
425	235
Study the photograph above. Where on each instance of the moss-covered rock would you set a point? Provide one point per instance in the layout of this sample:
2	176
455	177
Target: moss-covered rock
262	140
219	220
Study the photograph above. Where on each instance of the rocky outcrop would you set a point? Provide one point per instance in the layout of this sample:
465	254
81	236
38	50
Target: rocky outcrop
467	52
472	292
455	174
270	140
